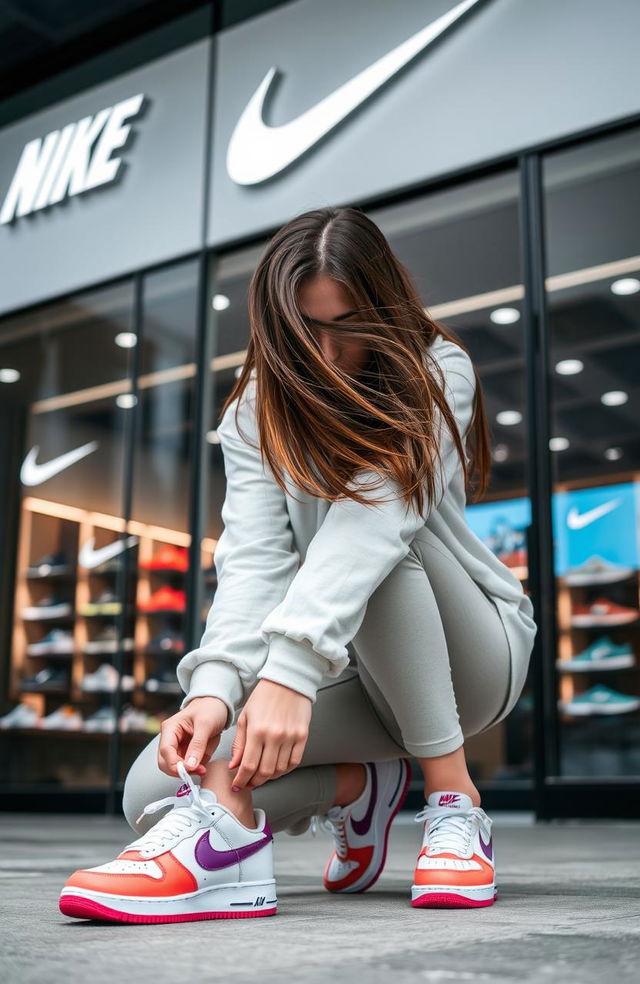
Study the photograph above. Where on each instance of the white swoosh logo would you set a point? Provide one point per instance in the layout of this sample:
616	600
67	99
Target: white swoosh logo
88	557
33	474
575	521
257	151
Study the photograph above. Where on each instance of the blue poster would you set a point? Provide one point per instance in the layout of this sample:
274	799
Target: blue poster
601	521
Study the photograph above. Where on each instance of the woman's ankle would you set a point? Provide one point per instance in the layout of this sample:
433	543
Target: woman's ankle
219	780
352	779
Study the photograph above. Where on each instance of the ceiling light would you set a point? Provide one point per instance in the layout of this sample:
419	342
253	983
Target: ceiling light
509	417
220	302
626	285
500	452
558	444
126	339
569	367
126	400
505	316
9	375
613	454
614	398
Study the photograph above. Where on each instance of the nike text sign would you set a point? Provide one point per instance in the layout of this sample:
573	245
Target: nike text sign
68	161
334	102
106	182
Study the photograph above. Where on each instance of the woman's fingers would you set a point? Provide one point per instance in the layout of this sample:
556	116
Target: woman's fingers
267	764
172	732
250	760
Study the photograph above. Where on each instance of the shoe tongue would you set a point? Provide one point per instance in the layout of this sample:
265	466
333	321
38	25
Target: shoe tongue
455	801
208	796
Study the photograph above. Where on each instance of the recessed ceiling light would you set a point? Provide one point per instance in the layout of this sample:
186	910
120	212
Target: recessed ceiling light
626	285
613	454
213	437
500	452
126	339
614	398
220	302
569	367
505	316
126	400
558	444
509	417
9	375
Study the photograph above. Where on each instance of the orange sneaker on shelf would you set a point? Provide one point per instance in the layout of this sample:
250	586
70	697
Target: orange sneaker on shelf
602	612
165	599
168	558
456	864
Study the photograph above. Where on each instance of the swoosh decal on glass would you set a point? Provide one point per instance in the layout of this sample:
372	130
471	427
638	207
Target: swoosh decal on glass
257	151
33	474
361	827
210	859
88	557
576	521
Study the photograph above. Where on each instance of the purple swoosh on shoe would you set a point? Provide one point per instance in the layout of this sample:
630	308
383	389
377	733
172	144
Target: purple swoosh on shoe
211	859
487	848
361	827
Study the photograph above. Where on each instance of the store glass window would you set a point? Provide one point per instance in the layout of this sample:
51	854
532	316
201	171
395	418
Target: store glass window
592	218
461	247
65	392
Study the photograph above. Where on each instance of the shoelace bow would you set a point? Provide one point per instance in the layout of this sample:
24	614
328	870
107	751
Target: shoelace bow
449	830
180	818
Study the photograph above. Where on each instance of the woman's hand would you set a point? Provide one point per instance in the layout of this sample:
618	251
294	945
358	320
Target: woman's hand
193	734
271	734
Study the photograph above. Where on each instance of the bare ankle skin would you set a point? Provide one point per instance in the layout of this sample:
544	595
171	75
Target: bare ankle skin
448	772
219	779
352	777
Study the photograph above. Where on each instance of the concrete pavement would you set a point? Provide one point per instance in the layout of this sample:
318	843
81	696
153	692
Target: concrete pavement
568	911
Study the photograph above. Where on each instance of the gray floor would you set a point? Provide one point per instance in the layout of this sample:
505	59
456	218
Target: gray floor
568	911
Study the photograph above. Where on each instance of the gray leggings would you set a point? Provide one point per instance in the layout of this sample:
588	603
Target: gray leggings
430	666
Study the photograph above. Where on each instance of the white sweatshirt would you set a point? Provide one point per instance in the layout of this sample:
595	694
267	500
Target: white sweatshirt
295	572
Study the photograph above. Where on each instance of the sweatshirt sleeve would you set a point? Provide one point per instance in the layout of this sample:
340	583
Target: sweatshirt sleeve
255	560
354	549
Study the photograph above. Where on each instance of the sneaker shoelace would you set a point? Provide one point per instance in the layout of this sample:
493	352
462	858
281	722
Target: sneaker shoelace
186	809
334	821
450	830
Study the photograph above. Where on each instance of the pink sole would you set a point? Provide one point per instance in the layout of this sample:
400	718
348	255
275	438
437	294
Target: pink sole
437	900
403	796
81	908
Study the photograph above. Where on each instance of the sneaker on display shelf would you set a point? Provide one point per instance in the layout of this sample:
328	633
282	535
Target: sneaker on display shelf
600	700
197	862
65	718
106	641
105	679
21	716
597	570
133	719
168	558
165	599
602	612
52	679
49	607
102	720
50	565
57	642
105	604
602	654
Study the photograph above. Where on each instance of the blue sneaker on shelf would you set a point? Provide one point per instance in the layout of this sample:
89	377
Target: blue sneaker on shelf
600	700
602	654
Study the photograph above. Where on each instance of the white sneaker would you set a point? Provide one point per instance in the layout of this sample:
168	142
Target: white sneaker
105	679
197	862
22	716
361	829
456	864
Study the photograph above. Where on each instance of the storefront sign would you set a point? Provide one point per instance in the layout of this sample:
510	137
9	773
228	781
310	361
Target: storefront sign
107	182
71	160
342	103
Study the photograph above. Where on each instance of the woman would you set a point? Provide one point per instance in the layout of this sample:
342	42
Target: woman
357	621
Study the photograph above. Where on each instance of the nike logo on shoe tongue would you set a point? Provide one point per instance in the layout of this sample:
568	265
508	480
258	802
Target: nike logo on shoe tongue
211	859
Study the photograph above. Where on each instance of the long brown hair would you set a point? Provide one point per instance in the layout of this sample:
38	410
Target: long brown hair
314	420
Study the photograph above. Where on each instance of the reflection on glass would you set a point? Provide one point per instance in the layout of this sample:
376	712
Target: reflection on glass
593	284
